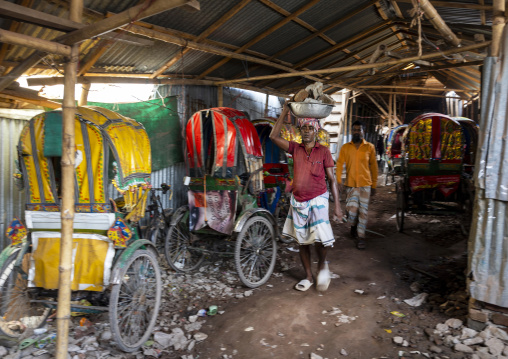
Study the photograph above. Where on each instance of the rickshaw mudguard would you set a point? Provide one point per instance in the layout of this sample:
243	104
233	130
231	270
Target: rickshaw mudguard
8	251
176	216
244	217
126	254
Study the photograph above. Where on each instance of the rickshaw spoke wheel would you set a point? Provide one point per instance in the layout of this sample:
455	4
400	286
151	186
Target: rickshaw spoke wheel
178	248
135	300
18	311
255	252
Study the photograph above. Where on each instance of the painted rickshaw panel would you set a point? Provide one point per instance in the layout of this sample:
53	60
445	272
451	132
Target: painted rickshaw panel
434	144
470	129
97	131
214	193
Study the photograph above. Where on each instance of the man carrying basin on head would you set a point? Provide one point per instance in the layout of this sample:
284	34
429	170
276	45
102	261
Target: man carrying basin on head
361	179
308	221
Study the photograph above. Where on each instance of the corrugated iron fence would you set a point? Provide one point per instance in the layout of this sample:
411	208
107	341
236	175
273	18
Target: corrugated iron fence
11	199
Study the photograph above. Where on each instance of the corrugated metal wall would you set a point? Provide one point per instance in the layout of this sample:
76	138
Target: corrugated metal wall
488	240
11	199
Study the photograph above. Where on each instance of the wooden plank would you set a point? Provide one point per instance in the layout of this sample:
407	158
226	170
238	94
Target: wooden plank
457	5
34	43
217	24
411	88
368	66
137	12
261	36
99	49
414	94
34	100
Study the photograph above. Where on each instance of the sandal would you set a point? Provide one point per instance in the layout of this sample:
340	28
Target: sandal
323	280
360	244
303	285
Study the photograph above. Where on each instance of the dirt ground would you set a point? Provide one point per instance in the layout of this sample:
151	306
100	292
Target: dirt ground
357	317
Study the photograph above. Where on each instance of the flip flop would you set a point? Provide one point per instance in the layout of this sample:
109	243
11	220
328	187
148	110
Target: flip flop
323	280
303	285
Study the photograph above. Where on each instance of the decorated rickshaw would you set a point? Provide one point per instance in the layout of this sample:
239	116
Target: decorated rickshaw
225	186
431	179
113	269
393	152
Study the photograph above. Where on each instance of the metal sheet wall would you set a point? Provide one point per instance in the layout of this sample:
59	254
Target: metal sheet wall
488	240
11	199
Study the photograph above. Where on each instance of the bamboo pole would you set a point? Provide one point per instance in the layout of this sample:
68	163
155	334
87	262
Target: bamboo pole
413	94
63	313
438	22
390	99
137	12
14	38
498	23
411	88
83	99
362	67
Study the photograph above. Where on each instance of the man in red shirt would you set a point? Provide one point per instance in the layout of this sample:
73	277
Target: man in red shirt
308	220
359	156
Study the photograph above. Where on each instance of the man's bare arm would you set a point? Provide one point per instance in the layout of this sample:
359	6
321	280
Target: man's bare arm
335	193
275	134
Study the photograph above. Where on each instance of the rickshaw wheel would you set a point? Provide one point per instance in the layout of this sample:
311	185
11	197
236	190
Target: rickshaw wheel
18	311
255	252
401	207
179	254
466	215
135	301
157	236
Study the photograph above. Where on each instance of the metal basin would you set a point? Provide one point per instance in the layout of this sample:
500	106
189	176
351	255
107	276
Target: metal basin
306	109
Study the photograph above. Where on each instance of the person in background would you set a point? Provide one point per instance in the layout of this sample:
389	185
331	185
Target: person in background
359	156
308	220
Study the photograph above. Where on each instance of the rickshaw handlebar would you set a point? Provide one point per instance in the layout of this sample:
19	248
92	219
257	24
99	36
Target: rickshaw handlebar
164	188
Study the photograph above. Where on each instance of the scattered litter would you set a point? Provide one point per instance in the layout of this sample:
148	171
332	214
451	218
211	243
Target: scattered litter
388	330
40	331
382	297
249	329
359	291
305	345
334	276
393	217
264	343
398	314
372	283
435	221
269	285
39	352
324	323
202	313
343	352
280	334
291	249
417	300
416	231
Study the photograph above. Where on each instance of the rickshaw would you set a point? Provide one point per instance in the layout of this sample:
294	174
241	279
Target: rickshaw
431	179
393	152
277	178
225	184
113	269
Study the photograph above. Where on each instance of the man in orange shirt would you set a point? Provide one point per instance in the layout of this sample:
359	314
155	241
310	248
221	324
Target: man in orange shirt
361	179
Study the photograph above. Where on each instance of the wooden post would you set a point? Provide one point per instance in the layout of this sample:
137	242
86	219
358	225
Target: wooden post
83	99
498	23
63	313
436	20
390	99
266	105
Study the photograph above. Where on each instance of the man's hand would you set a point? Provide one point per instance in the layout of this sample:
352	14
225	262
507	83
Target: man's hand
337	215
372	191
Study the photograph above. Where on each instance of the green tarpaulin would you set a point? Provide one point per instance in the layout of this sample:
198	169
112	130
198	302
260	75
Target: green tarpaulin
161	121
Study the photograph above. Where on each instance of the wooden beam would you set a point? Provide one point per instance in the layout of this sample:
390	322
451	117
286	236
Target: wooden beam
396	8
26	14
34	43
51	81
362	35
410	88
385	17
457	5
224	18
367	66
262	36
297	20
322	31
414	94
32	99
438	22
208	48
116	21
498	24
99	49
